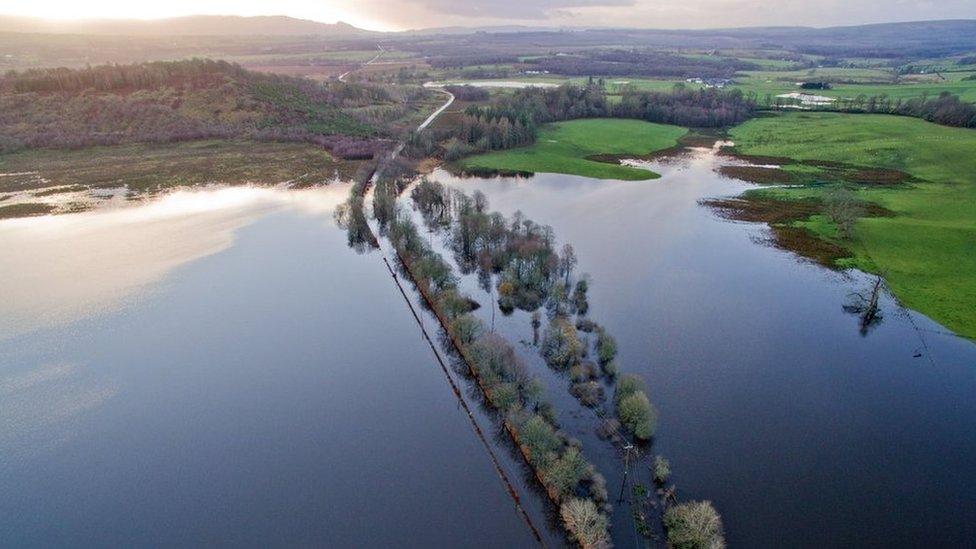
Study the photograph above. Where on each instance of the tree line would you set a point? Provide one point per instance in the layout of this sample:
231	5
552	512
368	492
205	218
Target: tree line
640	63
513	120
520	260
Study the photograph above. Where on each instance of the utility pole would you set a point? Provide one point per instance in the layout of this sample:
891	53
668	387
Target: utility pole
627	448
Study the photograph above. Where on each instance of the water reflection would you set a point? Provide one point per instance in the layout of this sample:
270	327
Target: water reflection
773	405
58	269
265	387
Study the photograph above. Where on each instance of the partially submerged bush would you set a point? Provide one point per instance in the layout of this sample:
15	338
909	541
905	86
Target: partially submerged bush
634	409
694	525
580	303
607	428
589	393
504	396
628	385
586	325
637	415
583	371
540	439
561	346
610	369
662	469
565	473
582	518
606	347
466	328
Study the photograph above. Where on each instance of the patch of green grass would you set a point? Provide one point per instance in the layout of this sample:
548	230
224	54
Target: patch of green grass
564	147
927	251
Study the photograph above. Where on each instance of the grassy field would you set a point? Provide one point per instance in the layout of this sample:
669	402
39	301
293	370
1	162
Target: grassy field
564	147
150	167
927	251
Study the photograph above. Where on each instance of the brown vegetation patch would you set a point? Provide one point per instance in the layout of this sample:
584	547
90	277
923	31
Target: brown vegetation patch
699	139
485	173
61	190
762	209
778	160
25	210
806	244
877	176
761	175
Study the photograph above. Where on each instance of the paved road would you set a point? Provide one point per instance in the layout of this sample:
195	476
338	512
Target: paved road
342	77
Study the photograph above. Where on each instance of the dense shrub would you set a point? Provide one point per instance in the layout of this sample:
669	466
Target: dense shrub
694	525
661	469
565	473
637	415
540	439
561	346
634	409
588	526
606	347
589	393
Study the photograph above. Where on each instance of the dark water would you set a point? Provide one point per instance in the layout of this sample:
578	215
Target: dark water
803	432
264	387
219	368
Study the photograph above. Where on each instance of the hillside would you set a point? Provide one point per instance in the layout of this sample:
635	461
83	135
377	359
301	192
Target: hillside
195	25
177	101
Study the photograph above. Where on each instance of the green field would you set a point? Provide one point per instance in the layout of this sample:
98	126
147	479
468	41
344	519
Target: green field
867	82
927	251
564	147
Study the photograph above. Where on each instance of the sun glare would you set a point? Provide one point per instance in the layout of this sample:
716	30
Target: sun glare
67	10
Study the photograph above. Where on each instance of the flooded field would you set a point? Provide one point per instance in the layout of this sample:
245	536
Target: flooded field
219	366
802	430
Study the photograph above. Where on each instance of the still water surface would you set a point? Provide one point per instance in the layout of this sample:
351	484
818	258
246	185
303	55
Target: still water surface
803	432
219	368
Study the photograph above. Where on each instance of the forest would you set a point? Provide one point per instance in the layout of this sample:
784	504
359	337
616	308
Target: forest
163	102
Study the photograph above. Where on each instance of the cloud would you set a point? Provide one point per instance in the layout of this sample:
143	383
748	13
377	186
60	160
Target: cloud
657	13
515	9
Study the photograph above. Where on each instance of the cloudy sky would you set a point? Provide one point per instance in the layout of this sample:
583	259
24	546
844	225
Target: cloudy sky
405	14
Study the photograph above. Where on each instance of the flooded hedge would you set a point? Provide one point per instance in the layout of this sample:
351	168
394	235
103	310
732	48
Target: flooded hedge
557	462
520	258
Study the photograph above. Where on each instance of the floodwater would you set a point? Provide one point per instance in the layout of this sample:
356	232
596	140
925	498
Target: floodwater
219	368
773	405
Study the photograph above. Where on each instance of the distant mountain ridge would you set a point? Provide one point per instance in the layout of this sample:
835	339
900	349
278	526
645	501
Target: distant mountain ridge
193	25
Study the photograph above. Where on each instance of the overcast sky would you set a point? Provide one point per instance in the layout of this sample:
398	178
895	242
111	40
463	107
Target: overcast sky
404	14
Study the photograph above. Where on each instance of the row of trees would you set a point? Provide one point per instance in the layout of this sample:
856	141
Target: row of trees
945	109
640	63
517	250
513	120
570	481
